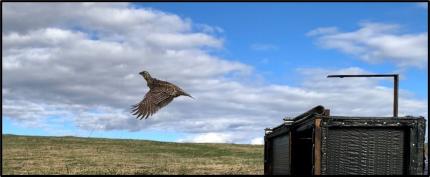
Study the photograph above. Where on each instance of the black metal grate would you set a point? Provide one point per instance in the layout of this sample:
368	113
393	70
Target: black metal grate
280	155
365	151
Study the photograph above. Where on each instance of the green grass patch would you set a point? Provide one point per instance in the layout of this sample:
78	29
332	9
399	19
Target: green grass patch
74	155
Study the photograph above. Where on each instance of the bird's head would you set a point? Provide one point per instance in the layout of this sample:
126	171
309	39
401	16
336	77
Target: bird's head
145	74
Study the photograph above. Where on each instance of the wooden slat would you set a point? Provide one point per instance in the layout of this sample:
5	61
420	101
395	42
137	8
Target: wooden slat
317	147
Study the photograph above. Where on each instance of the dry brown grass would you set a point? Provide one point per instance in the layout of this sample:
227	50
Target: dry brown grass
72	155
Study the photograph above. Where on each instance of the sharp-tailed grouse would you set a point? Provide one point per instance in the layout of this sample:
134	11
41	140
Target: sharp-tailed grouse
159	95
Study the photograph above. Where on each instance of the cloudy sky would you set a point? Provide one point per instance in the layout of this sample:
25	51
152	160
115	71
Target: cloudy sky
72	68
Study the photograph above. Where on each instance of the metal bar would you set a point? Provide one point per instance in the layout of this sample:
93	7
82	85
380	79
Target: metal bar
416	154
396	95
364	75
315	110
396	86
266	156
290	144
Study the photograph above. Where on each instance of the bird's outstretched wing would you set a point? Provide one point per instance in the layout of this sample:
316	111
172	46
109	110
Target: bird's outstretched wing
155	99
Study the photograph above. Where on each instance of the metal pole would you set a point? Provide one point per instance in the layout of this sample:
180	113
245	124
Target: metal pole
396	86
396	94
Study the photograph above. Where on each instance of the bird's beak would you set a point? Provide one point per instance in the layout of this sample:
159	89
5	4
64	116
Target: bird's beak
186	94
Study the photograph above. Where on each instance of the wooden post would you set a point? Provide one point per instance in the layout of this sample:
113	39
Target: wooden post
317	147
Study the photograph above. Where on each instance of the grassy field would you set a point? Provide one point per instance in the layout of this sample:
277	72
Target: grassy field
73	155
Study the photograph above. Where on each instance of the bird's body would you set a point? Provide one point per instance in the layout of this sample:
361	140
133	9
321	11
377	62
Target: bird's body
159	95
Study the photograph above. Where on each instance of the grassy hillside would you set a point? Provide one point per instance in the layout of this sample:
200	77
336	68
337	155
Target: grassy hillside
72	155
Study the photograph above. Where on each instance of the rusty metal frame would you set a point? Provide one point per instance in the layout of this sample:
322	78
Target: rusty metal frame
321	122
268	138
317	135
267	160
415	127
301	120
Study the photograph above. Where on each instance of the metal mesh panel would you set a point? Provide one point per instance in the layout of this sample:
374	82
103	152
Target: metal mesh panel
281	156
364	151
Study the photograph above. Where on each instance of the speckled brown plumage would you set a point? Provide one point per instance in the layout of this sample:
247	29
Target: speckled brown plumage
159	95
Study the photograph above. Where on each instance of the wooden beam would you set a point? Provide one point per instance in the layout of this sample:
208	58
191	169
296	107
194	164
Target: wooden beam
317	146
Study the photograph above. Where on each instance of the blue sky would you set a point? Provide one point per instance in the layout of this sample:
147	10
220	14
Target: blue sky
284	25
274	39
10	127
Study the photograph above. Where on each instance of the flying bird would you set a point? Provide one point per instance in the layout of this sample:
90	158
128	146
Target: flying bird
159	95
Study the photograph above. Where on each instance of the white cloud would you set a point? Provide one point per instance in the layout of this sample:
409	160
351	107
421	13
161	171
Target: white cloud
80	66
183	40
423	5
209	29
209	138
322	30
344	96
377	42
257	141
